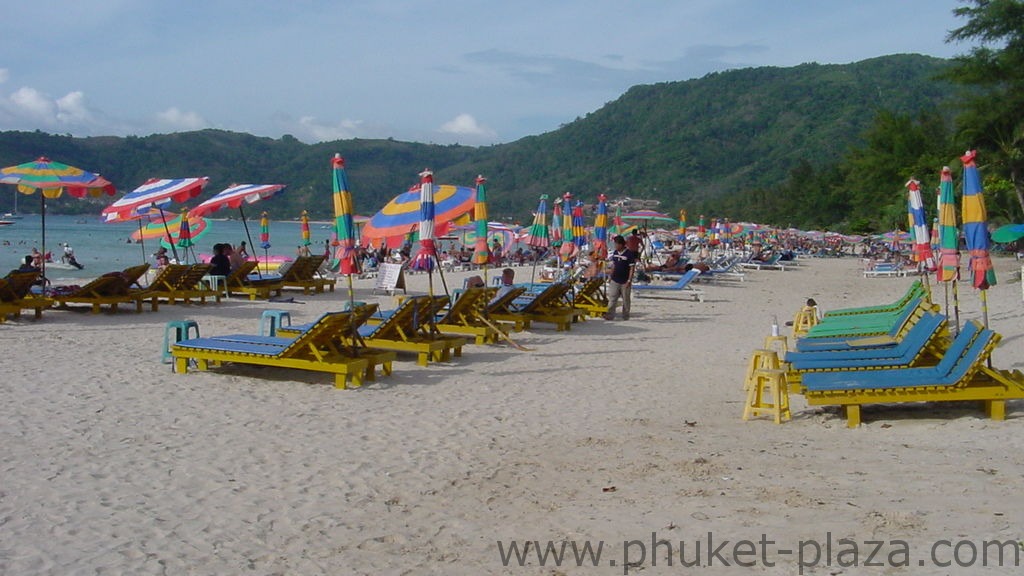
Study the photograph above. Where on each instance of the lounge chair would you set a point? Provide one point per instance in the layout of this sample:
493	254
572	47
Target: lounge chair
884	270
304	273
773	263
16	295
591	298
182	282
875	324
111	289
916	289
466	317
315	349
240	282
681	285
962	374
549	306
504	307
408	329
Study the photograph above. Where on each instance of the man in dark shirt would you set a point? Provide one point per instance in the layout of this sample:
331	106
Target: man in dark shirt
623	261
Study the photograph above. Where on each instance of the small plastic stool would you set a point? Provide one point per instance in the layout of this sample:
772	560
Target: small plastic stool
216	283
768	396
181	330
272	319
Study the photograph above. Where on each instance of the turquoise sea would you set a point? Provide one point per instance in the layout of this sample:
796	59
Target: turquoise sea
104	247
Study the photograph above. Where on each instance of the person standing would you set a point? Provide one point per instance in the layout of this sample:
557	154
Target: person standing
620	281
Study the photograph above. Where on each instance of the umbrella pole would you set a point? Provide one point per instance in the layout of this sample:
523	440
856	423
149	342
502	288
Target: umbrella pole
167	231
247	236
444	283
142	241
42	224
956	305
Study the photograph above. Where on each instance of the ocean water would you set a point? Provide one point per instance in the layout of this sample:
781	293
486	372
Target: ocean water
104	247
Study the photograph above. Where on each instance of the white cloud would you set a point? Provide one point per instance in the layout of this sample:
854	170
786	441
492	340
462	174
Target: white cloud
309	129
71	109
175	120
466	125
33	103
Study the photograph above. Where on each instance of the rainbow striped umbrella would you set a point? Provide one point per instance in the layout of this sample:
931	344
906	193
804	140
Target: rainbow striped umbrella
424	259
154	193
402	214
919	226
975	221
344	226
702	230
949	255
682	221
556	223
538	235
304	228
265	231
481	255
579	226
601	227
184	231
568	248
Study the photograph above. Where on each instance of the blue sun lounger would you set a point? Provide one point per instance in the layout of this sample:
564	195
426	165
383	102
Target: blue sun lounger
680	285
903	353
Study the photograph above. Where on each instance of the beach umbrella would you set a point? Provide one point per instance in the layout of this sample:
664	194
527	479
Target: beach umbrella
949	236
601	227
235	196
424	259
52	179
401	216
682	221
568	247
935	237
185	234
154	194
344	226
556	223
304	228
975	222
919	226
1008	233
156	230
265	236
579	226
481	255
648	218
538	235
702	230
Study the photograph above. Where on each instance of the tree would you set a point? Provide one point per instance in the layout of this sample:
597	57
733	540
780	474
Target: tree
993	73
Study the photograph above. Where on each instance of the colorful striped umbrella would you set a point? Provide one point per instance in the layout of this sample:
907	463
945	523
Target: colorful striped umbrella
160	222
949	254
235	196
682	221
702	230
919	226
424	259
538	235
975	220
304	228
579	225
935	236
568	246
264	231
344	226
556	223
154	193
401	215
481	255
52	179
648	218
601	227
184	231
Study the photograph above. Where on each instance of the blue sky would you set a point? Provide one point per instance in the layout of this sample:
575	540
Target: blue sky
442	71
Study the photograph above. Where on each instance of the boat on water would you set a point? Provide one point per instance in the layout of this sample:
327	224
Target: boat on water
11	216
6	222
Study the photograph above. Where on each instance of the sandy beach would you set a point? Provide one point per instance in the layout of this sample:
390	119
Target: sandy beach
624	434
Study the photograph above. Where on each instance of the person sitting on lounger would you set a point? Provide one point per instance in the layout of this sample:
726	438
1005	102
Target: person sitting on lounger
220	261
508	278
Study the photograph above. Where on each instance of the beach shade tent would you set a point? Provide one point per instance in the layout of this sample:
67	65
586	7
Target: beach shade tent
401	216
919	227
601	227
1008	233
52	179
481	255
154	194
948	270
236	196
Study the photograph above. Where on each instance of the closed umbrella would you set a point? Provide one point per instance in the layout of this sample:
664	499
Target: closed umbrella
579	226
568	248
919	228
601	227
265	236
481	255
538	235
344	225
52	179
556	223
304	228
975	219
948	270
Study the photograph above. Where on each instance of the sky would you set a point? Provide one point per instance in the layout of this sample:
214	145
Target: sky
472	72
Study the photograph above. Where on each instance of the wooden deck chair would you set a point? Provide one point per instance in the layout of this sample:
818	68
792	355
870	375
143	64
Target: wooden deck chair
591	298
549	306
503	307
238	282
962	375
111	289
465	317
315	349
916	290
304	274
404	331
16	295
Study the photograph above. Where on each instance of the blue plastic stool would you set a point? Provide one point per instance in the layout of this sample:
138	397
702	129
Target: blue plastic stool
346	306
182	330
272	319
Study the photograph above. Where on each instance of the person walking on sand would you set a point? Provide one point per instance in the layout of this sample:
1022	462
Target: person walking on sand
620	282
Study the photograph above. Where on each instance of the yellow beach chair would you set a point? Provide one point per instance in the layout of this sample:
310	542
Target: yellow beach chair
315	349
16	295
240	283
304	274
408	329
111	289
466	316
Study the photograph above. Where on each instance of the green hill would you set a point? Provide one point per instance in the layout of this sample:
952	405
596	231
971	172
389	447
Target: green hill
695	144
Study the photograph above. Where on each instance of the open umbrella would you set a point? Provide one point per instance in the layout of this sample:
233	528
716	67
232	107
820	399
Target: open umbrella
401	215
1008	233
481	255
155	193
949	236
52	179
975	219
919	226
235	196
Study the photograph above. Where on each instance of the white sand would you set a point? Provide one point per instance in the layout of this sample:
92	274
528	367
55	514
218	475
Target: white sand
112	464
